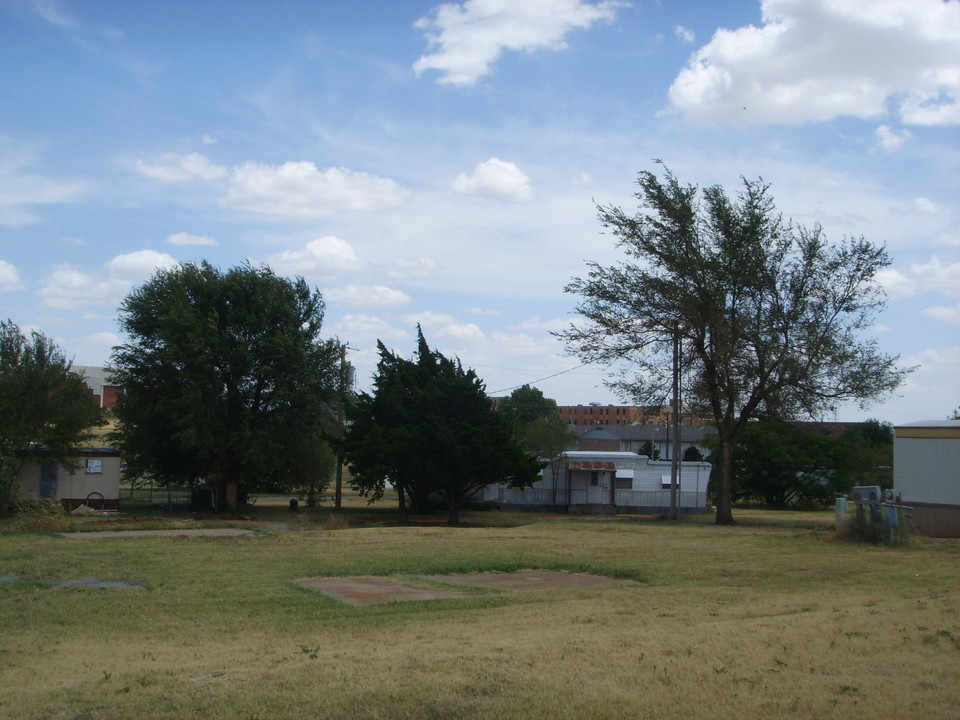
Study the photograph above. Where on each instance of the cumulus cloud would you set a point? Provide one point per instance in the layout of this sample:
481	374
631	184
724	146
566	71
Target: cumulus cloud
182	238
495	180
292	191
139	265
379	296
813	60
467	38
9	277
325	257
68	287
933	276
182	168
890	140
299	190
460	333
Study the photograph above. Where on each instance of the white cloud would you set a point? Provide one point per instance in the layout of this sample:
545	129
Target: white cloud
9	277
326	257
889	140
429	319
495	180
182	168
535	323
933	276
460	333
21	188
926	205
367	296
944	314
182	238
413	267
68	288
813	60
139	265
468	38
685	34
291	191
359	327
297	190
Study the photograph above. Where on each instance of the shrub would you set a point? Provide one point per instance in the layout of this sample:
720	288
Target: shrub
46	515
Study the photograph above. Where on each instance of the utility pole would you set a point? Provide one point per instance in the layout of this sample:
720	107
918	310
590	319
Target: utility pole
675	428
340	400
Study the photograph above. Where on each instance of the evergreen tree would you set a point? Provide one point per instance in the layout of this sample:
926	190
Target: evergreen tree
429	428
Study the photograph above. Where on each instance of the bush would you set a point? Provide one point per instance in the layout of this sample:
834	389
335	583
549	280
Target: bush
46	515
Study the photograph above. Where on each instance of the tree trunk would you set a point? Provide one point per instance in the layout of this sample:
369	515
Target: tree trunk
454	517
724	487
401	496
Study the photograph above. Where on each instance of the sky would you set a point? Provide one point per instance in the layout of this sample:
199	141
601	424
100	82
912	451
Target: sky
442	164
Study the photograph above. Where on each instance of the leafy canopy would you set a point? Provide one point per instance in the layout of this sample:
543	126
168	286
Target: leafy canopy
44	403
226	378
771	318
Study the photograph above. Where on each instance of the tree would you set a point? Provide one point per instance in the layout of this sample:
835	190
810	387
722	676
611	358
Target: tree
782	464
44	404
226	380
692	454
537	426
429	428
770	317
650	450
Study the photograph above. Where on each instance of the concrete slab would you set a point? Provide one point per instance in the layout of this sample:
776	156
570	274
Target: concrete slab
368	590
210	532
530	580
373	590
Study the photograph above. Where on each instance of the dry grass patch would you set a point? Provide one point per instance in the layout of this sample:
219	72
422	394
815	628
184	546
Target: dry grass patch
756	621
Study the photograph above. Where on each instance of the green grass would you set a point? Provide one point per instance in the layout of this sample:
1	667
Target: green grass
772	618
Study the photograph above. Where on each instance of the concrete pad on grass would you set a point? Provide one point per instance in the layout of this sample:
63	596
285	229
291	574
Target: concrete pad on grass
530	580
373	590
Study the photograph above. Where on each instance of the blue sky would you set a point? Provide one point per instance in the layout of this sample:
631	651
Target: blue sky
441	164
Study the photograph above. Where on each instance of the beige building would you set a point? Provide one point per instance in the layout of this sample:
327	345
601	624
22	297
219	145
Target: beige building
94	482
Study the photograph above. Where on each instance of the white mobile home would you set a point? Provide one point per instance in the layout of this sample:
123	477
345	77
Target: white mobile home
926	471
598	482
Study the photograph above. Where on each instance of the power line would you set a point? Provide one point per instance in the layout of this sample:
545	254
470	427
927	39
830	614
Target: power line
562	372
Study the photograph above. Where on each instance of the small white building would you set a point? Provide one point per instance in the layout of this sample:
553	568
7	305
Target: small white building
606	482
94	482
926	471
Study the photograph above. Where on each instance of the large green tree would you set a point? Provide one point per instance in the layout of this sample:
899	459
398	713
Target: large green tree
429	428
226	380
536	422
44	404
771	318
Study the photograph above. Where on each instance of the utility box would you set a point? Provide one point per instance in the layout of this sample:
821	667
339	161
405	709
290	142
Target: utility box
866	494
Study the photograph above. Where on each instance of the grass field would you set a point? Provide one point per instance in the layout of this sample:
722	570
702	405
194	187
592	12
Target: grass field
773	618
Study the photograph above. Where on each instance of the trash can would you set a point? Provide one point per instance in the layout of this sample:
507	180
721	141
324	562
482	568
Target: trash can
293	504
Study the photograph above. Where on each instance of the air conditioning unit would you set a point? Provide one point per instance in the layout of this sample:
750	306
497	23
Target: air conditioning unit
866	494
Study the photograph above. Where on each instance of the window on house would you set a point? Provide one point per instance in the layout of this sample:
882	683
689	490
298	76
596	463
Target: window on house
94	466
594	478
624	483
